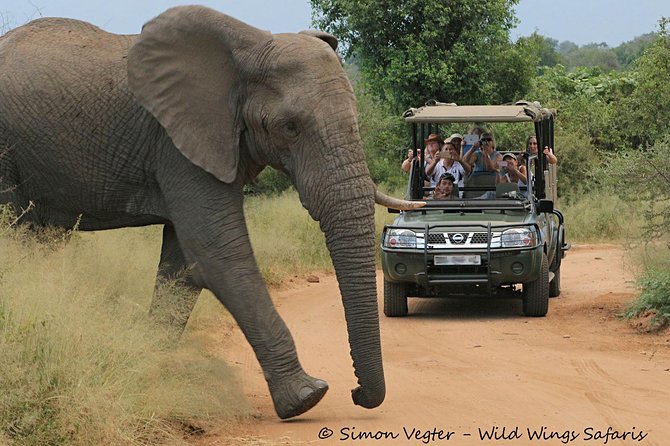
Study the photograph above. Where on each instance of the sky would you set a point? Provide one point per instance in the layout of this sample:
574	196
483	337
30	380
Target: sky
579	21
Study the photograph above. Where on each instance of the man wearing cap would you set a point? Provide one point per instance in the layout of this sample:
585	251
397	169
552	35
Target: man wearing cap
510	173
457	139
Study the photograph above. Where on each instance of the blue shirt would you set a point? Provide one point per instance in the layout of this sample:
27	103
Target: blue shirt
480	167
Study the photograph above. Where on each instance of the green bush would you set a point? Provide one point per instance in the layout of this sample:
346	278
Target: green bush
654	299
269	182
385	139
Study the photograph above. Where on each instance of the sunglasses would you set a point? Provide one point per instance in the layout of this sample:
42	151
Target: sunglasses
486	139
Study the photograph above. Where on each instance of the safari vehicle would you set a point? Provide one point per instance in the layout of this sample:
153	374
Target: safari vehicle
504	240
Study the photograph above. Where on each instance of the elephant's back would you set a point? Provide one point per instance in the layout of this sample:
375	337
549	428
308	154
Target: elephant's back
47	55
66	79
66	112
50	41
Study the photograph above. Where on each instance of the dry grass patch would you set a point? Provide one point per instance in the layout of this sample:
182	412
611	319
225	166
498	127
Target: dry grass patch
81	361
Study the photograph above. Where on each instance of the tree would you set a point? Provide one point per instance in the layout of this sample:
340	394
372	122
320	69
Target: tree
627	52
566	47
645	113
593	55
411	51
545	49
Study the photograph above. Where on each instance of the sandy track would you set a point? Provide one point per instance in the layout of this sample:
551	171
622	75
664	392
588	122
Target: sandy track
468	366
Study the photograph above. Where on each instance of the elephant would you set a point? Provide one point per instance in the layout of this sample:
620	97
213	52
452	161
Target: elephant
165	128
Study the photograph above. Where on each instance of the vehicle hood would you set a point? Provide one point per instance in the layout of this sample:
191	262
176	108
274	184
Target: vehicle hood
418	219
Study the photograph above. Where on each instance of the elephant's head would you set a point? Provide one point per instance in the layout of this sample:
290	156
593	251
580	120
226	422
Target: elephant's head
234	99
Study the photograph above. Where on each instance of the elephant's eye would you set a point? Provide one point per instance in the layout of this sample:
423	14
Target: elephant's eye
290	129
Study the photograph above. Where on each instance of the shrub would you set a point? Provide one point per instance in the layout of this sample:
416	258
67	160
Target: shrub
654	299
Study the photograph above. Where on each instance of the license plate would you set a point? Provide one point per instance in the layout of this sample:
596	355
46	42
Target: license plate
457	260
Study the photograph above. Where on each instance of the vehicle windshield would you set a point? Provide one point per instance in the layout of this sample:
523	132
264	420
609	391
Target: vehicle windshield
472	161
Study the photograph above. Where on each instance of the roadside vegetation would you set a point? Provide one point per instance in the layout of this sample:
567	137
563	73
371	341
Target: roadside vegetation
81	361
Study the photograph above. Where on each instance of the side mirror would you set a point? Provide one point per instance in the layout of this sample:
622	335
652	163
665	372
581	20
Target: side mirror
545	206
392	211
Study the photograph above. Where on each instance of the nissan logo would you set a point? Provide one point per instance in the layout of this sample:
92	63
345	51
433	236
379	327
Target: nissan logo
458	238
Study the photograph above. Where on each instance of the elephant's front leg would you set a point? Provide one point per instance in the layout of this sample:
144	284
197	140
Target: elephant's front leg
212	232
175	293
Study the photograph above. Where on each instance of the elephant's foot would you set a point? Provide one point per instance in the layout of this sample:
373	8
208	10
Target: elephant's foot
296	395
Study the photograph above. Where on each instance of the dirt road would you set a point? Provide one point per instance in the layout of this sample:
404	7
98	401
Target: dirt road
458	370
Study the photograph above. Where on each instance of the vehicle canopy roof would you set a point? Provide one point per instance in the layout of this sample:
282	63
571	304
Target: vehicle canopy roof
438	112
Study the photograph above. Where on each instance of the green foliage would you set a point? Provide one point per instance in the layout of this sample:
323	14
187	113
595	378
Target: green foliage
654	300
593	55
457	51
601	55
544	50
596	55
647	180
645	113
628	52
585	101
384	137
269	182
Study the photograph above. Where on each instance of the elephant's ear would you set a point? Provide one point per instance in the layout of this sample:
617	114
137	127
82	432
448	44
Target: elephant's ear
183	68
328	38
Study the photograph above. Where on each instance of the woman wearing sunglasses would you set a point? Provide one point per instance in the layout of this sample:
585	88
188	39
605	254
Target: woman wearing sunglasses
484	159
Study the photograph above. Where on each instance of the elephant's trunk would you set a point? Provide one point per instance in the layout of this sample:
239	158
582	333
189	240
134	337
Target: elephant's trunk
349	229
394	203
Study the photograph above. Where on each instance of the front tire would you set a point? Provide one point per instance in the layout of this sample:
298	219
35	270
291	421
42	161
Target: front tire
555	285
395	299
536	293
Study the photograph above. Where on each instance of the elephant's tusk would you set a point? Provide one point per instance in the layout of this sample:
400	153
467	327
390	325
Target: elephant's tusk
394	203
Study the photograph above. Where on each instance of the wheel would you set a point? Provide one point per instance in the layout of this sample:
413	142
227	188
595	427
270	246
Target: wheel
536	293
555	285
395	299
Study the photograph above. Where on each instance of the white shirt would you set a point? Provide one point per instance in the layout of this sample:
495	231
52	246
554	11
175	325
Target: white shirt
456	169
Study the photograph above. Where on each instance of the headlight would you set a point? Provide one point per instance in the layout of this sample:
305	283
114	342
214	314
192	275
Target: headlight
400	238
518	238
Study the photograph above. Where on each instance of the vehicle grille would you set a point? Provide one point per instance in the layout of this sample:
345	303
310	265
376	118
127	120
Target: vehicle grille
480	237
462	239
437	238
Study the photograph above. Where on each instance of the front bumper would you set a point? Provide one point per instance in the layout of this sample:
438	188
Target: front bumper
498	266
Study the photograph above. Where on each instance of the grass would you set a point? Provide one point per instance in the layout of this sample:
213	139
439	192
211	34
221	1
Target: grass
285	239
82	363
601	217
